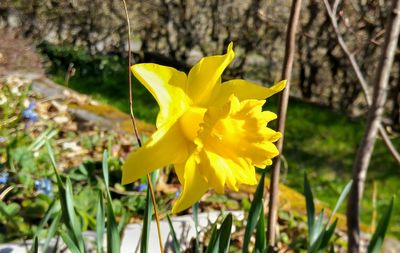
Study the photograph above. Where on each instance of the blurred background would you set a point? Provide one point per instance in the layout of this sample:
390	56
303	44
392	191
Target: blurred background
82	44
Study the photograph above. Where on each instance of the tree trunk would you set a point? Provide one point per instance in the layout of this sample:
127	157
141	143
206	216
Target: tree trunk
375	112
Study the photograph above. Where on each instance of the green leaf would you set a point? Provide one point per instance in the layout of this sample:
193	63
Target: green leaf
123	221
52	231
328	235
318	234
225	234
69	242
318	227
113	238
105	169
261	240
148	212
100	223
35	246
67	205
378	237
42	138
9	210
213	240
51	156
52	208
310	207
196	225
254	213
220	238
74	224
342	196
175	241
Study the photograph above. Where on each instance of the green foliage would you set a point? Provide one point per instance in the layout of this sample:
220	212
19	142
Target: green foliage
175	241
323	143
220	238
113	238
102	76
320	233
196	225
70	231
148	212
261	238
21	163
27	180
376	242
254	213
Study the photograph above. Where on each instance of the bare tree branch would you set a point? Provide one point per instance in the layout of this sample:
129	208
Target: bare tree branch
375	112
364	84
282	109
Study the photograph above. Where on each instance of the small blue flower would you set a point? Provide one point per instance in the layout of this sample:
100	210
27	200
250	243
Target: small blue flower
141	188
44	186
4	177
29	112
2	139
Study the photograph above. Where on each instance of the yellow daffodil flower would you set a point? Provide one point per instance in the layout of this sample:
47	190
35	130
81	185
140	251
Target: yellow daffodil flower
213	133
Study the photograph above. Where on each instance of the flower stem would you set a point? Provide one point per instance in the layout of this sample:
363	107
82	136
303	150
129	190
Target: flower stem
153	199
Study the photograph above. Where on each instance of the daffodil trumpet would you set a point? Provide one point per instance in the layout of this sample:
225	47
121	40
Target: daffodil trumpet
213	132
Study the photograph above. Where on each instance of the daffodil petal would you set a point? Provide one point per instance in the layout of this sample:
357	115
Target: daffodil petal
194	185
167	145
167	85
206	74
220	170
243	89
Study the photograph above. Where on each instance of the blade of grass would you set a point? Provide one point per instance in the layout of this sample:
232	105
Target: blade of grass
213	240
254	213
342	196
310	207
328	234
261	236
148	212
196	225
56	245
70	243
41	139
35	246
123	221
225	234
380	232
105	169
318	226
175	241
52	231
47	216
67	207
100	223
73	219
113	238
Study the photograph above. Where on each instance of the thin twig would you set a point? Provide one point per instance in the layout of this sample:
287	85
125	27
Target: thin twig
282	109
153	199
366	147
364	84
